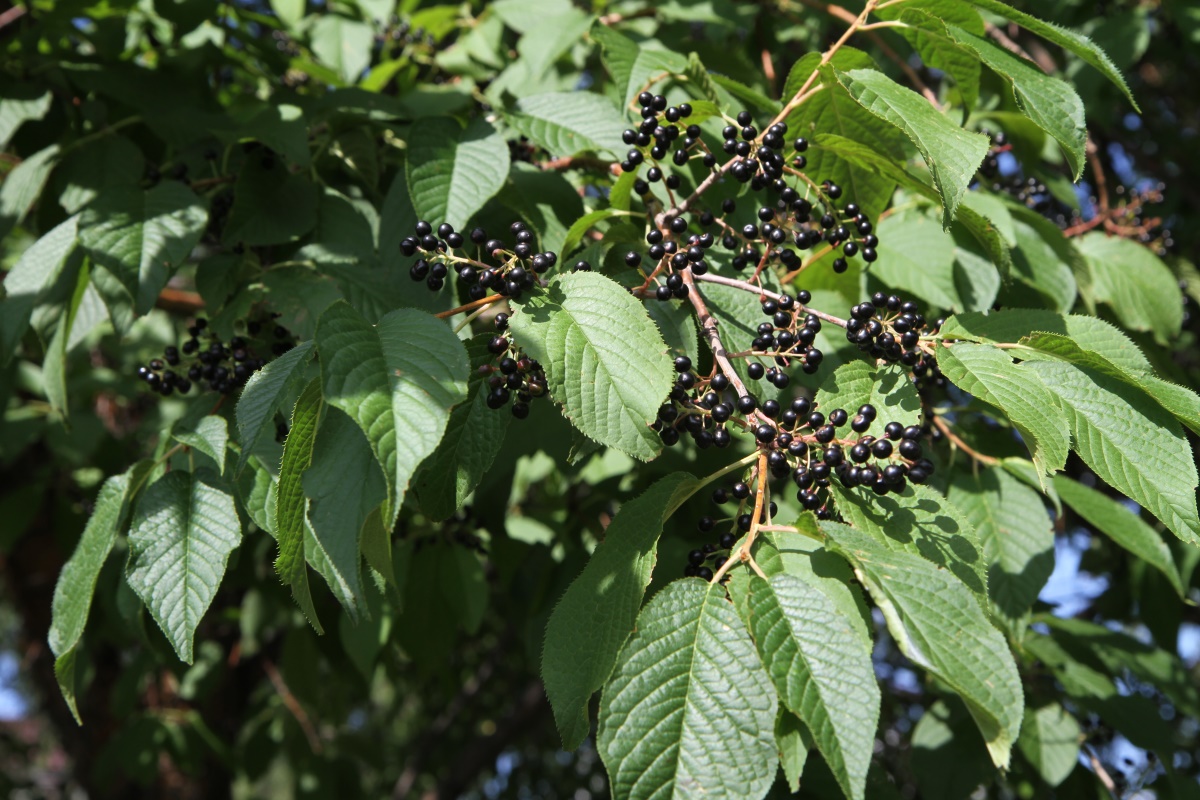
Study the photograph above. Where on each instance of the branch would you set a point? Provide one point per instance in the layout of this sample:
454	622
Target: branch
750	287
941	425
12	15
708	326
293	705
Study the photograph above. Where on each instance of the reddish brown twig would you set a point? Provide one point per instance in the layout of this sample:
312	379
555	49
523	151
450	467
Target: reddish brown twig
293	705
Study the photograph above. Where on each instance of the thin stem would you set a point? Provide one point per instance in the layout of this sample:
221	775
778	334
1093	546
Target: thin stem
470	318
105	131
760	497
708	326
750	287
942	426
723	471
486	301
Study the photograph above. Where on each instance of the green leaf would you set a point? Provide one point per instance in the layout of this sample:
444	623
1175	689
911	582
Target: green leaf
1050	739
671	724
917	258
101	165
597	613
1114	652
210	435
926	20
22	185
886	387
398	380
1121	525
1050	102
677	325
271	205
344	486
921	522
802	555
453	171
342	44
25	106
1017	536
834	111
264	396
605	360
566	123
27	283
474	436
1077	43
1141	290
1044	260
289	11
585	223
951	153
991	376
551	38
793	741
183	530
1129	441
77	581
949	760
632	67
822	671
64	674
291	506
141	238
938	624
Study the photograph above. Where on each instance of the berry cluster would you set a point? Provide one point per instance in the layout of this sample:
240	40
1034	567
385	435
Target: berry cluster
800	215
220	366
493	267
513	373
786	338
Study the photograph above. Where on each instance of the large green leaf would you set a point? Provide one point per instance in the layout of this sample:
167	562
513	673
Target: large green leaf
1050	102
77	581
1044	260
183	530
208	435
142	237
1141	290
938	624
605	360
822	671
474	436
990	375
1016	532
264	396
22	185
1050	739
344	486
18	107
834	111
1011	325
917	258
1077	43
1130	441
949	760
886	387
951	153
1121	525
98	166
566	123
926	20
453	171
27	283
271	205
342	44
291	506
690	712
921	522
398	380
632	66
596	614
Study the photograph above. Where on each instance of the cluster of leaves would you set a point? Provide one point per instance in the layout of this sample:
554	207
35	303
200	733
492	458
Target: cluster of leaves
276	172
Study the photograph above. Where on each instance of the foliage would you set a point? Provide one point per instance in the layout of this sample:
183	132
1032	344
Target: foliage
396	392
